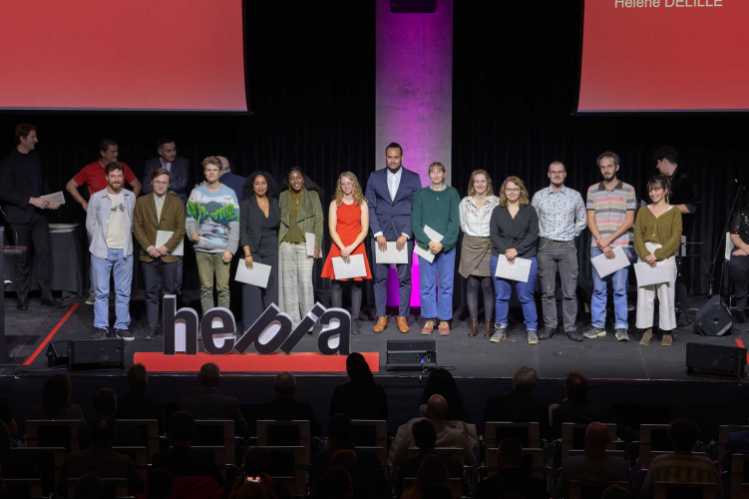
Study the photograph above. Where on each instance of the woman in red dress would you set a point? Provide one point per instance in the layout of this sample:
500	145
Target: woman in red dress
348	223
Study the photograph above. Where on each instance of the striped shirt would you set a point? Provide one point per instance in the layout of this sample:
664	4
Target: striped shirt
611	209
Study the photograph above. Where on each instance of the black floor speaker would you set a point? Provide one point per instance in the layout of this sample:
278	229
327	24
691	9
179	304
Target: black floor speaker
717	360
409	355
713	318
96	354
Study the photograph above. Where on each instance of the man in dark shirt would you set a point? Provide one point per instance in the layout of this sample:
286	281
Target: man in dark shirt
21	188
177	166
738	266
685	197
520	405
209	403
285	405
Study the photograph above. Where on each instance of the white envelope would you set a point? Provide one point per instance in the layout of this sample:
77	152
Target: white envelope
55	198
424	253
309	241
354	268
433	235
518	270
258	275
391	254
163	237
664	271
605	266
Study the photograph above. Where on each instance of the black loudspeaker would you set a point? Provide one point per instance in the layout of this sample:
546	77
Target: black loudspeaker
713	318
715	359
57	354
406	355
96	354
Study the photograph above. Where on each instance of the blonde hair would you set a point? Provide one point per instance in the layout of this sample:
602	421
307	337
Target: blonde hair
212	160
358	196
489	187
523	191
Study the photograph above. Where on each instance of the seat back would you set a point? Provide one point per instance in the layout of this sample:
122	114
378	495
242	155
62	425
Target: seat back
590	490
138	432
739	476
217	432
54	433
369	433
654	440
36	469
528	434
285	433
723	433
110	487
374	452
573	438
287	465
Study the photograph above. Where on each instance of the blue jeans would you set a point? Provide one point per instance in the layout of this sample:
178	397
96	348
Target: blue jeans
436	281
122	268
524	290
600	294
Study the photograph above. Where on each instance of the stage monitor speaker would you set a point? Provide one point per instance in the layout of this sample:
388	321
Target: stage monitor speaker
57	354
713	318
717	360
96	354
408	355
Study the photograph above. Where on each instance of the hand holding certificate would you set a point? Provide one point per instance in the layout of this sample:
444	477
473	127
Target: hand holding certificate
517	270
606	266
391	254
258	275
163	237
350	269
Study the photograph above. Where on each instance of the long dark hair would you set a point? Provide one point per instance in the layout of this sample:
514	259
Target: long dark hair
272	184
358	369
440	381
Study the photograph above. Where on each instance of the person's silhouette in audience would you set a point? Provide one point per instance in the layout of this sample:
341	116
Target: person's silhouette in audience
360	397
450	433
521	404
681	466
431	480
99	459
285	406
56	399
440	381
512	478
595	465
208	403
105	404
136	404
576	407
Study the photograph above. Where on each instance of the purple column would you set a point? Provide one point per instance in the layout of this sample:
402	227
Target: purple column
414	96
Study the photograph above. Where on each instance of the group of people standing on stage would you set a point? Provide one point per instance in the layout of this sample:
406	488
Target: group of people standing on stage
226	214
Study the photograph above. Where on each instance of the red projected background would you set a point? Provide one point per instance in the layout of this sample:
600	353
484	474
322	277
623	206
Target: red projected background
665	55
129	54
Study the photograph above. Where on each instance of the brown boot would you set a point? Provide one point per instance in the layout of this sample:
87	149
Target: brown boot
402	323
380	325
488	328
473	328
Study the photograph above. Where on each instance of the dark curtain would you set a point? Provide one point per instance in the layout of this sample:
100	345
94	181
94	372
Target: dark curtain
515	90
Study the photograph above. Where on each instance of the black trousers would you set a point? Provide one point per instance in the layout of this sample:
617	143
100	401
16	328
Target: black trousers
159	278
254	299
738	269
36	261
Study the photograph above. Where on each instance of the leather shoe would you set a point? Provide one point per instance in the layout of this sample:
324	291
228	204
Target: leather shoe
402	323
574	335
380	325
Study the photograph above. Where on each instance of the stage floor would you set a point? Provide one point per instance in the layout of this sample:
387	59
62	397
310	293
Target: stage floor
465	356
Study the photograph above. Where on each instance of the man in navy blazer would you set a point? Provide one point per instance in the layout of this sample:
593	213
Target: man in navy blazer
389	194
178	168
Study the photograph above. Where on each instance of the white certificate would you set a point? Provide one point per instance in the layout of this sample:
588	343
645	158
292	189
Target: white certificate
391	254
309	241
163	237
664	271
354	268
729	247
55	198
424	253
258	275
433	235
605	265
518	270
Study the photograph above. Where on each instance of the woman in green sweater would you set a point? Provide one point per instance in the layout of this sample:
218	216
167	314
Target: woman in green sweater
436	208
657	239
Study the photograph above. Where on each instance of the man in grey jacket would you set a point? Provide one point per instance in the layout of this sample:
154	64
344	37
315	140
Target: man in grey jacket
109	222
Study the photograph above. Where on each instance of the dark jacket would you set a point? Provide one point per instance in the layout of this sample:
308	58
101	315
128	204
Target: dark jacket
146	225
359	401
20	179
251	223
520	232
517	407
391	217
208	403
179	176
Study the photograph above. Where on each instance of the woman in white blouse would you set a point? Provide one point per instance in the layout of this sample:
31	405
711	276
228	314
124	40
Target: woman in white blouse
476	249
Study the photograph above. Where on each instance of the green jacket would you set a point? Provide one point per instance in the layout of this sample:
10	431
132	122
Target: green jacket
309	218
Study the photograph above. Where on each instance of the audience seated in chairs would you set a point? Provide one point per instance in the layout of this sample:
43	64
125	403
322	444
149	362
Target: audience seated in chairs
209	403
285	406
57	400
681	466
576	407
136	404
99	459
366	474
360	397
513	478
450	433
521	404
431	481
595	465
440	381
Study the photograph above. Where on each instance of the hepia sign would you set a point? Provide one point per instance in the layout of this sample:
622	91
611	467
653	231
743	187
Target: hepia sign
272	331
